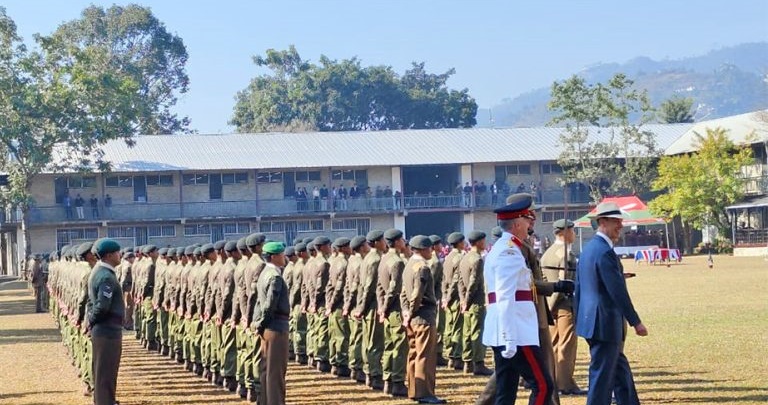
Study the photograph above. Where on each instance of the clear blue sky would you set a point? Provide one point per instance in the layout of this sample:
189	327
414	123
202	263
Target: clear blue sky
499	48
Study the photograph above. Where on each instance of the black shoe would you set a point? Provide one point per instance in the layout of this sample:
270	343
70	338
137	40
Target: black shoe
302	359
152	346
230	384
343	372
442	362
575	391
242	391
399	389
323	366
165	350
431	400
218	380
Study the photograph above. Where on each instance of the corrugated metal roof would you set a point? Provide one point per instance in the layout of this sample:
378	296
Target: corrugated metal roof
347	149
743	129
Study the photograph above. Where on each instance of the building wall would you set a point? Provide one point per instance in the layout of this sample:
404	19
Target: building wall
380	176
485	221
484	172
42	239
382	222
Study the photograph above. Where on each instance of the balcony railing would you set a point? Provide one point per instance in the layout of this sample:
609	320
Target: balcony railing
751	237
756	185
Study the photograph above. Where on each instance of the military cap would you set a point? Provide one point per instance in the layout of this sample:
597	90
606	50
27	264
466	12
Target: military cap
393	234
290	251
374	235
322	241
196	251
356	242
230	246
420	242
561	224
105	246
241	244
455	238
172	252
307	240
300	247
497	231
162	251
297	241
435	239
189	250
475	236
255	239
85	248
519	205
311	246
147	249
341	242
207	248
219	244
128	255
273	248
136	249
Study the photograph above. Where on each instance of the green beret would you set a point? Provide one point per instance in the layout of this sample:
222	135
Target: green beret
241	244
273	248
307	240
147	249
393	234
300	247
341	242
197	251
290	251
455	238
162	251
420	242
255	239
374	235
230	246
561	224
189	250
85	248
476	236
105	246
435	239
219	245
207	248
497	231
357	242
322	241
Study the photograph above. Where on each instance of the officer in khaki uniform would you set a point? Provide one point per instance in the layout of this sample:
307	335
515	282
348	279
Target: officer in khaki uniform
338	324
253	268
161	267
388	293
290	257
212	329
555	266
320	272
351	290
148	313
307	288
472	299
298	316
239	306
453	320
419	310
436	267
367	311
227	346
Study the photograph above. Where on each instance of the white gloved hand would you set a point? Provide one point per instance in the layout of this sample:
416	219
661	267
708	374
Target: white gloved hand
510	350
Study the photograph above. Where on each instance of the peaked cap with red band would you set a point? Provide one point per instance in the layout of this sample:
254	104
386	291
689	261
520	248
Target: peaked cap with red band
518	206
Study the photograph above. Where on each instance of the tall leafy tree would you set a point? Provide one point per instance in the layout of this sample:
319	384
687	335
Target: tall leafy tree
676	110
697	187
604	144
344	95
110	74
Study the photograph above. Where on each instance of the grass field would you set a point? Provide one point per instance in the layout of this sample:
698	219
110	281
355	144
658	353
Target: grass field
708	344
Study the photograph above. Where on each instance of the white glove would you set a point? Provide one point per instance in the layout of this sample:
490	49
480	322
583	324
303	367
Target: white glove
510	350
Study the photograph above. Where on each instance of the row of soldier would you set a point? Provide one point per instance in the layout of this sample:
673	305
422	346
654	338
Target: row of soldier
346	314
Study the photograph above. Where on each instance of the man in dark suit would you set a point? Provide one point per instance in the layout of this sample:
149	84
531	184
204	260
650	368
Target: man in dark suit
601	306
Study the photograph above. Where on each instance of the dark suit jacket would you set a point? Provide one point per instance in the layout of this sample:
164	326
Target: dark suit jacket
601	301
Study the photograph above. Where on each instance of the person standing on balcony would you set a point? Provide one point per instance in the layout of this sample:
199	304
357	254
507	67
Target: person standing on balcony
108	206
397	199
68	205
343	197
467	195
94	206
324	198
335	198
494	194
316	198
388	196
79	202
354	191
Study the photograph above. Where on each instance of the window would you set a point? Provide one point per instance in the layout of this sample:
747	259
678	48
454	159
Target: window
121	232
197	229
111	181
237	228
357	176
552	216
359	225
511	170
194	179
309	225
161	230
120	181
271	226
269	177
241	178
234	178
551	168
308	175
80	182
68	236
163	180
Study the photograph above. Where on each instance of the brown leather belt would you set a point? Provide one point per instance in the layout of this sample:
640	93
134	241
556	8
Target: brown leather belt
520	295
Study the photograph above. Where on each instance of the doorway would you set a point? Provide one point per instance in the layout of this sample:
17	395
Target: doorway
139	188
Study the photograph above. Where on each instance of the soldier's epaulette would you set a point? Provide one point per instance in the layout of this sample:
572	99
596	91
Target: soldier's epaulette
514	241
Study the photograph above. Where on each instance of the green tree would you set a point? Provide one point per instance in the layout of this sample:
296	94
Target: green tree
108	75
604	144
343	95
676	110
697	187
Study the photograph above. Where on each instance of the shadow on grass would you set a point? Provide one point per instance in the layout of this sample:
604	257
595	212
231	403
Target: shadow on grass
15	336
17	307
712	400
20	395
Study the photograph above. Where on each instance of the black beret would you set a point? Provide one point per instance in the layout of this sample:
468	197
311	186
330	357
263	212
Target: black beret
219	244
180	251
435	239
561	224
296	241
162	251
230	246
311	246
420	242
307	240
207	248
497	231
290	251
455	238
241	244
147	249
196	251
255	239
300	247
393	234
356	242
322	240
172	252
518	205
374	235
341	242
189	250
475	236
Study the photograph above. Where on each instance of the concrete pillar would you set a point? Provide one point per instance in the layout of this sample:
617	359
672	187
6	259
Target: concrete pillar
400	222
397	179
468	223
